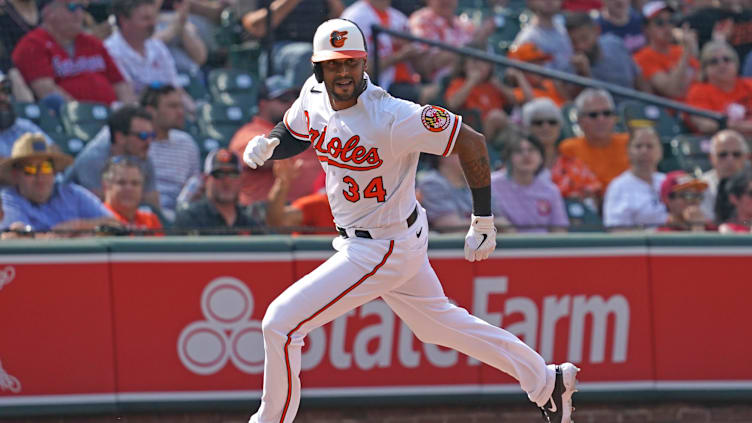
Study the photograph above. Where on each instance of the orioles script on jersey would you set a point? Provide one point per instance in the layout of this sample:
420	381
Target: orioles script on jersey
339	154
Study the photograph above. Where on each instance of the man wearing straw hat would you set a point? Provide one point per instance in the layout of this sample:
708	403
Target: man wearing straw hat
35	200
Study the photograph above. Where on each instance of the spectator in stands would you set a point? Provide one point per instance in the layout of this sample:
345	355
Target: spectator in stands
475	90
129	132
174	152
294	22
123	186
574	179
682	194
142	58
602	57
530	85
548	33
219	210
528	202
445	194
633	198
17	17
722	91
396	72
204	17
309	214
35	199
178	31
619	18
275	97
11	126
740	194
438	21
669	68
602	150
61	63
729	155
728	20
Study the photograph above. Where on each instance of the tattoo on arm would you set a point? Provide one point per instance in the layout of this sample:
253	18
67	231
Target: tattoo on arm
477	170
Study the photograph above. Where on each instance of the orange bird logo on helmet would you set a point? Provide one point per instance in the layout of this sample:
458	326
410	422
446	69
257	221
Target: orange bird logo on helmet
338	38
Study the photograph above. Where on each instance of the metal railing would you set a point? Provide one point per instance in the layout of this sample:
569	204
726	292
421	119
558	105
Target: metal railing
540	70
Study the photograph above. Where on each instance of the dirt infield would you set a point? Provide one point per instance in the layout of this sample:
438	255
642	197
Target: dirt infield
672	412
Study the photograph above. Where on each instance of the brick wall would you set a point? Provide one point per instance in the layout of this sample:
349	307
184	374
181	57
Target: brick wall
673	412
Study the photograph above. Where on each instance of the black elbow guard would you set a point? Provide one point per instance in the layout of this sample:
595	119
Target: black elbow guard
288	145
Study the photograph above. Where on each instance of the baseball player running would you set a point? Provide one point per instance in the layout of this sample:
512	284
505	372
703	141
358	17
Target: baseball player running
368	143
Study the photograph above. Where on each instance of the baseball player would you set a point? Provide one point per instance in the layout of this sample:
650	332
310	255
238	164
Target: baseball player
368	144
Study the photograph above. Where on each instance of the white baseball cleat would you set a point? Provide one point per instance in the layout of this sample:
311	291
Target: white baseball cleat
559	407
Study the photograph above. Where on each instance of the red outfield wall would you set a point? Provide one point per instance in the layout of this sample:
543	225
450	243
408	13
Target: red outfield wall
122	322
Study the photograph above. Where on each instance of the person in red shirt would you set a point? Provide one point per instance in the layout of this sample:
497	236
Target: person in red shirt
669	68
62	63
722	90
276	96
123	187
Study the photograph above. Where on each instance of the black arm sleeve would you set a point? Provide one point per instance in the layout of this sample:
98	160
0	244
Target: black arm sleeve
288	145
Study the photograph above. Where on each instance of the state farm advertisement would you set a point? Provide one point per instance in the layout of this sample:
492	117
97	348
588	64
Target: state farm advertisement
154	326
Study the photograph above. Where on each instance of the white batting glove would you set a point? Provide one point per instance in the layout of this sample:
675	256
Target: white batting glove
480	241
258	150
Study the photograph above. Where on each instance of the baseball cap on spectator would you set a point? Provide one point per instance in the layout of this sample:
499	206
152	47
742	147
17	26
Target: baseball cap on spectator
528	52
678	181
221	159
651	9
277	86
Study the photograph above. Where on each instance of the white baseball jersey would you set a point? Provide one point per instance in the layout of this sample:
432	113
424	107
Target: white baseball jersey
370	151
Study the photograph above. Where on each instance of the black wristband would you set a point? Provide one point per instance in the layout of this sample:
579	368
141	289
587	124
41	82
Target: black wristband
481	201
288	145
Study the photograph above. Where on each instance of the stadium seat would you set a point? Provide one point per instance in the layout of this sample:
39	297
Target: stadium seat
570	128
582	217
691	152
83	120
233	87
194	86
68	144
665	124
45	120
217	123
508	25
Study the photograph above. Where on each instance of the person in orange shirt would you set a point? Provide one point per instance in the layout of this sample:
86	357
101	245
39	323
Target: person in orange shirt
123	188
722	91
669	68
475	88
275	97
602	150
530	85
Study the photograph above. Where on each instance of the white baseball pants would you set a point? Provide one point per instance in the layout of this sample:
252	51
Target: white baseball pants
398	271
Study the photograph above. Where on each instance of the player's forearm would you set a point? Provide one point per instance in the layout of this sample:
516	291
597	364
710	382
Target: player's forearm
471	148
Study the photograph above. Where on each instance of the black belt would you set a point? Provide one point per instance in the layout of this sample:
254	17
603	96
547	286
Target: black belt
360	233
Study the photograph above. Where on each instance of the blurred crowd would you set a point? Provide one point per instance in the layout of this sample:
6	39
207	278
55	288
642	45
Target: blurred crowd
129	117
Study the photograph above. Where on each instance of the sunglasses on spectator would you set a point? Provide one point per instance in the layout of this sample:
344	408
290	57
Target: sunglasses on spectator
72	7
44	168
219	174
661	22
541	122
144	135
594	114
687	195
724	154
717	60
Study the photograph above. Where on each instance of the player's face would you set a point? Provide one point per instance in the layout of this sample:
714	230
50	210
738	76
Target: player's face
343	79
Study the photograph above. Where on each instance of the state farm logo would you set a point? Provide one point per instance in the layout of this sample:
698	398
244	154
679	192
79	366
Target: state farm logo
8	382
7	275
205	346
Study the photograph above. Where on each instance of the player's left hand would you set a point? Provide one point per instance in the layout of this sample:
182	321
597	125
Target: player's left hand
480	241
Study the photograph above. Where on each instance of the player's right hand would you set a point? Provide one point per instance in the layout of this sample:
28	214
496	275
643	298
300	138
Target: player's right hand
258	150
480	241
